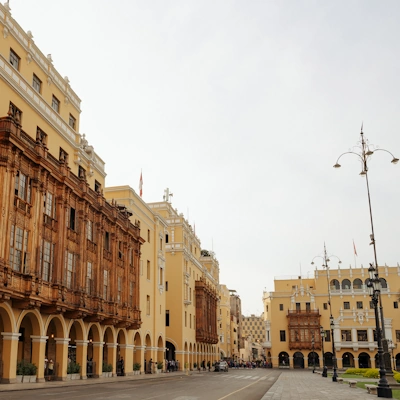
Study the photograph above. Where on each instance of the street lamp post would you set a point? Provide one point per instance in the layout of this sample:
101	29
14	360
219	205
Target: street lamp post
326	259
324	369
374	286
364	153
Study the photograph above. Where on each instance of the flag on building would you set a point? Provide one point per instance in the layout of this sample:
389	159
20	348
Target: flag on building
141	184
354	246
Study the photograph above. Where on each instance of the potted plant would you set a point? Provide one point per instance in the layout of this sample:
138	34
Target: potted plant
105	370
29	372
136	368
73	370
160	365
109	370
20	371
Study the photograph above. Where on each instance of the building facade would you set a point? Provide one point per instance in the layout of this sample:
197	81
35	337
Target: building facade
69	260
192	279
297	319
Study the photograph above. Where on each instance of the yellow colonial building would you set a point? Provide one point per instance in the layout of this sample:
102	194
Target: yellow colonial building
192	281
298	310
150	339
69	260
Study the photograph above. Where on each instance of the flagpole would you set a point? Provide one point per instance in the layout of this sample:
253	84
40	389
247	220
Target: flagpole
355	255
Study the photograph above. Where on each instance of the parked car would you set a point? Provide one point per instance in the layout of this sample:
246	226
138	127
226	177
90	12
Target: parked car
221	366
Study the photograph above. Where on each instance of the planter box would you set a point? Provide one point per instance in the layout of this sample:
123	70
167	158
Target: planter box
136	372
19	378
29	378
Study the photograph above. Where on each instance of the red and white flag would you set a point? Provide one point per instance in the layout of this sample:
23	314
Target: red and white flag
354	246
141	184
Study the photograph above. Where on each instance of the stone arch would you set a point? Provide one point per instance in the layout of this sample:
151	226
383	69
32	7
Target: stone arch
357	283
137	349
109	343
94	356
328	356
335	285
283	359
29	325
348	360
364	360
161	349
8	342
298	360
171	349
313	359
7	319
346	284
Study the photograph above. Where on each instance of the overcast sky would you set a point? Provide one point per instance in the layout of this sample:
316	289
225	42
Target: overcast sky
241	108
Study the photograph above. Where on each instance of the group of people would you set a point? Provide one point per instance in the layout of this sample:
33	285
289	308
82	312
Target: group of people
249	364
172	365
48	368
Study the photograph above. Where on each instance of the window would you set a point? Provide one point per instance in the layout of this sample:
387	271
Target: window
15	112
395	304
71	218
166	317
166	238
160	243
22	188
298	308
19	258
280	307
148	235
49	205
325	306
46	260
346	305
362	336
72	121
107	241
346	335
327	336
131	293
105	285
397	336
63	156
14	59
166	286
37	84
89	230
161	276
185	319
119	287
308	307
70	263
148	270
359	305
81	172
282	335
148	305
97	187
89	278
120	250
55	104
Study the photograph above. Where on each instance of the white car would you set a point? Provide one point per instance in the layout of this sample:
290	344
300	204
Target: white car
221	366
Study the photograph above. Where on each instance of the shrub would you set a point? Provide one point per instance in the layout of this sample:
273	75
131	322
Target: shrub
356	371
20	368
73	368
396	375
136	366
371	373
159	365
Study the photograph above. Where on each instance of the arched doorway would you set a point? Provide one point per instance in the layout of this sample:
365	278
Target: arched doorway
313	360
397	361
348	360
170	352
109	352
8	344
328	359
364	360
298	360
94	353
160	351
121	356
284	360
